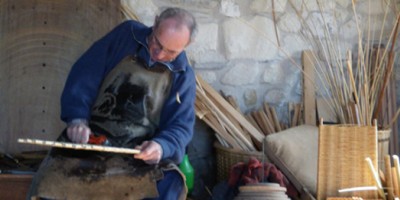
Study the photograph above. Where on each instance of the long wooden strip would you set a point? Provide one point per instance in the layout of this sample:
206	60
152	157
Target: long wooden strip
227	109
388	175
251	119
395	182
376	178
268	115
275	118
234	104
88	147
309	88
213	122
246	144
296	115
258	120
397	170
266	121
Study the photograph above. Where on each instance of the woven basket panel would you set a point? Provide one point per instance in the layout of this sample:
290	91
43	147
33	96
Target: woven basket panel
341	160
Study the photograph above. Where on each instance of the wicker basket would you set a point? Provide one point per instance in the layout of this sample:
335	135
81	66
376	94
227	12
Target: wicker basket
341	160
227	157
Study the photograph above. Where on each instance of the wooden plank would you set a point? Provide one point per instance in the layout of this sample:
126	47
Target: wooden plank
270	118
234	104
214	123
309	88
227	109
275	119
222	114
295	118
256	116
266	122
251	119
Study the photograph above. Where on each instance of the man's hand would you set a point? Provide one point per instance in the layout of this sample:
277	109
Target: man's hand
150	152
78	132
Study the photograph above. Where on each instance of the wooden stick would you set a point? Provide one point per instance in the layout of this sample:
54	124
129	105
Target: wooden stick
227	109
234	104
275	119
275	26
89	147
389	69
295	118
252	121
396	191
397	167
257	117
214	122
388	175
376	177
224	118
266	121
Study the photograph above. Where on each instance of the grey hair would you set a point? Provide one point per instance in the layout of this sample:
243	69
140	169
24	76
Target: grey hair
182	17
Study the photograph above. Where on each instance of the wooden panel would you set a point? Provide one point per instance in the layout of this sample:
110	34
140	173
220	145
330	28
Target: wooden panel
40	40
309	88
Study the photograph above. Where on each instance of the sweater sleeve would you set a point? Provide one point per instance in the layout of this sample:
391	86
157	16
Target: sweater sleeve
86	75
177	119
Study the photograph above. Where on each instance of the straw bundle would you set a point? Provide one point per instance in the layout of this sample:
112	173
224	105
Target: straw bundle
355	87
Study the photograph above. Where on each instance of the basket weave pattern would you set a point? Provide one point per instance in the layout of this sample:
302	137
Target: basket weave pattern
227	157
341	160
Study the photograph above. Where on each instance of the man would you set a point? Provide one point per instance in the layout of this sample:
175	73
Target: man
162	126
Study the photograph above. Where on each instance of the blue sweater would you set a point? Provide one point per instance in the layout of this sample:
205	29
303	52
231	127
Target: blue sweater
129	38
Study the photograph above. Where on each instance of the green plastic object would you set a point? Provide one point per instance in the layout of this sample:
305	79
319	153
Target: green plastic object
188	171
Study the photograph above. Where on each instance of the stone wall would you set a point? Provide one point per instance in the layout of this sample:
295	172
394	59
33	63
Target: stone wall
238	51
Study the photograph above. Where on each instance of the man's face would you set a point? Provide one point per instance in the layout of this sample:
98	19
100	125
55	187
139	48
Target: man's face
167	42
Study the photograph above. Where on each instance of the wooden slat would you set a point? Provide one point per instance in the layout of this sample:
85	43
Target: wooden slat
309	88
395	184
223	114
234	104
256	116
251	119
275	119
228	109
267	122
214	123
296	115
388	177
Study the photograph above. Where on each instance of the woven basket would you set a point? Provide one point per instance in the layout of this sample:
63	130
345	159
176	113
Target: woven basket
341	160
227	157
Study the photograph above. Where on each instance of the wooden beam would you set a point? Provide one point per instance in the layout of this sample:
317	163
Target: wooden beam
309	88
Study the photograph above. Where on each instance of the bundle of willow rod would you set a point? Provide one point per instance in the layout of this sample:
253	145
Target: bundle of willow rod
355	88
232	128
